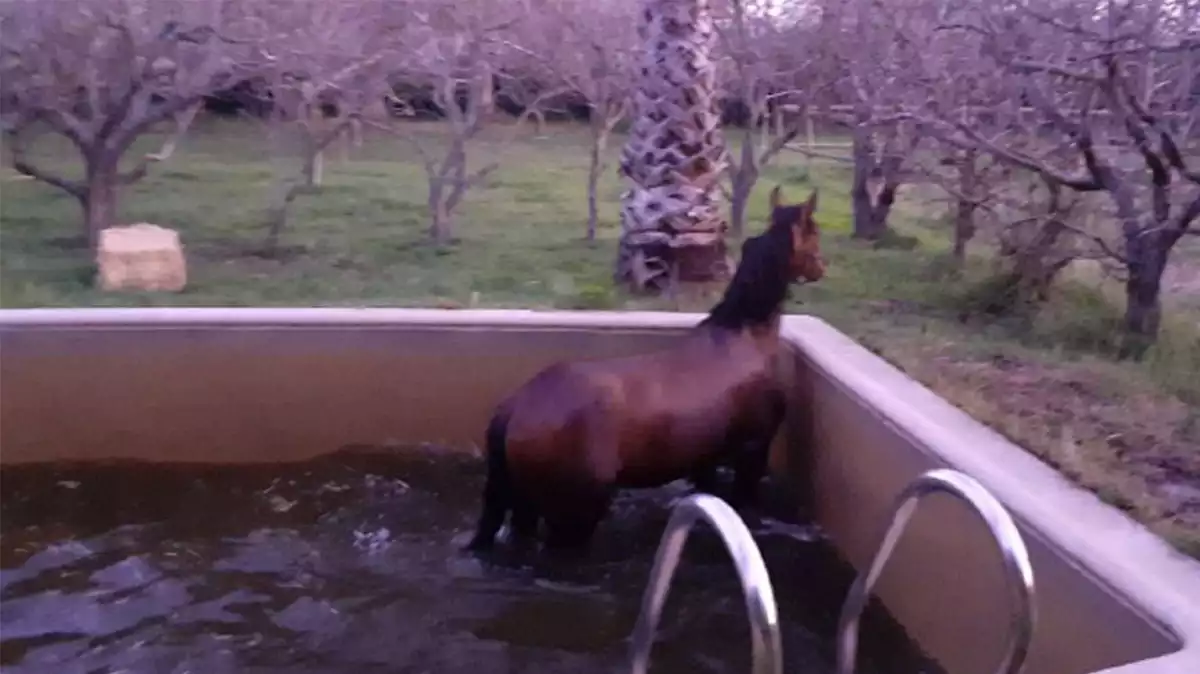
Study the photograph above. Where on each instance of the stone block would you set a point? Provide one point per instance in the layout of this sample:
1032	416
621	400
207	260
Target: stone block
140	257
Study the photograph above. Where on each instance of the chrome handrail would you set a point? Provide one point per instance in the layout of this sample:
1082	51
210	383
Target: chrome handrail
766	651
1012	547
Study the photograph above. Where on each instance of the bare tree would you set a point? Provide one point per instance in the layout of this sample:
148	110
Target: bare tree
762	70
859	40
455	50
102	73
330	62
591	48
1111	88
943	72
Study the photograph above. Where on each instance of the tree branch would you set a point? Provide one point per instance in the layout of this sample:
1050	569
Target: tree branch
22	164
183	122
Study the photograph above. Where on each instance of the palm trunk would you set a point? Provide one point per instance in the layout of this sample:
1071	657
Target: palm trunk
671	217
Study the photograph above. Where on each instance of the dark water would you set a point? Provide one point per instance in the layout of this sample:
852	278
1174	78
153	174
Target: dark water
352	564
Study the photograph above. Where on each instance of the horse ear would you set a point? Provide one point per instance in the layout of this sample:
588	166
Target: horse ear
775	197
808	225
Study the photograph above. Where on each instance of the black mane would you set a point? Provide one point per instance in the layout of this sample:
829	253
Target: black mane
760	285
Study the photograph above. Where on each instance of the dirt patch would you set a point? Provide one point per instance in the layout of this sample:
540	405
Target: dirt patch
1138	450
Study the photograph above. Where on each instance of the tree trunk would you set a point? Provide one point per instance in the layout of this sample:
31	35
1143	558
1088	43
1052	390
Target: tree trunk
882	209
99	201
671	218
745	175
439	215
314	169
739	200
964	213
1037	266
1147	254
865	225
595	169
277	215
964	230
1032	268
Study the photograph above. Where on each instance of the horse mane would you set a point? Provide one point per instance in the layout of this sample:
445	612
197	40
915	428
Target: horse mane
760	285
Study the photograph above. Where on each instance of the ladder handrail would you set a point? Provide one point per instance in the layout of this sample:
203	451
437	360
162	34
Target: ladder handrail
766	649
1004	531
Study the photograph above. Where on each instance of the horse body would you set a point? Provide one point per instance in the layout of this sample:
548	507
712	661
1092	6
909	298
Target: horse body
689	400
561	445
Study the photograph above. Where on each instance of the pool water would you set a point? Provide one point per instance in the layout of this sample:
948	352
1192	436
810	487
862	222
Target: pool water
353	563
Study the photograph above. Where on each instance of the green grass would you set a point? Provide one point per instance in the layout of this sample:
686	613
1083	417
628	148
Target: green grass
360	240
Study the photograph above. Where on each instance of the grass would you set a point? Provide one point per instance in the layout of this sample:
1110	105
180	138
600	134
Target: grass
1128	431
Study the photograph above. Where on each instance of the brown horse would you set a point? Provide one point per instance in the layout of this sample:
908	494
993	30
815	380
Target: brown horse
560	446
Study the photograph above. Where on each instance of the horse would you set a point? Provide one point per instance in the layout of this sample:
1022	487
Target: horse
559	447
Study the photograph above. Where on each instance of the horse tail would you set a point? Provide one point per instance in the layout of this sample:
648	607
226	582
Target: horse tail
497	489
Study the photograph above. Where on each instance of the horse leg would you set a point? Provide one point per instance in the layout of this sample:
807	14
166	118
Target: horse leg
750	464
495	508
498	489
584	498
704	476
524	521
571	530
749	468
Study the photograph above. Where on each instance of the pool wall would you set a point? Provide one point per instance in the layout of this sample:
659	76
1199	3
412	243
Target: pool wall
251	385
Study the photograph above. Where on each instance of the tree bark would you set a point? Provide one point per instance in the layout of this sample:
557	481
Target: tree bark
315	169
1147	254
883	206
739	200
600	133
1036	268
871	212
100	198
671	221
745	175
277	217
964	230
439	214
866	222
964	212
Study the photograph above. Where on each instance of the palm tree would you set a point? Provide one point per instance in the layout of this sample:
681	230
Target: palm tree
671	220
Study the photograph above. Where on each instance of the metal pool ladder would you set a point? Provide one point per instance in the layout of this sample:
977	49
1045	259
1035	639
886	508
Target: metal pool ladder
1023	616
766	649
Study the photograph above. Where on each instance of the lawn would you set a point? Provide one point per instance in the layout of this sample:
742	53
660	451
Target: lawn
1129	431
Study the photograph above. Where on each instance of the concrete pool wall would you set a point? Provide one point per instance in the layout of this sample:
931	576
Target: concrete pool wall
250	385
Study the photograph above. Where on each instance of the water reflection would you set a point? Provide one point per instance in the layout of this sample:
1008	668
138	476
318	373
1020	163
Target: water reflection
352	563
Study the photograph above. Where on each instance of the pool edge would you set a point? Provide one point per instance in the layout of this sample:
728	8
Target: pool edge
1131	563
